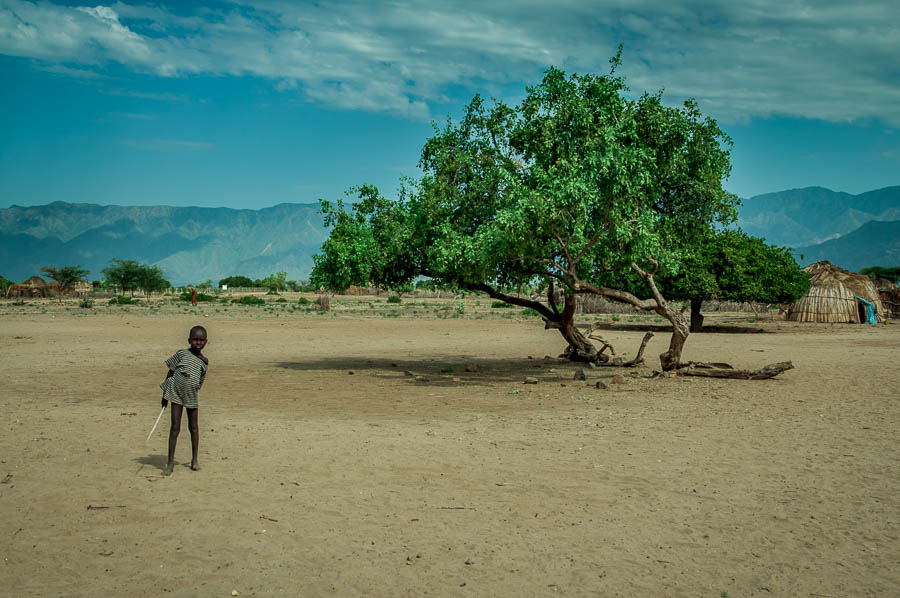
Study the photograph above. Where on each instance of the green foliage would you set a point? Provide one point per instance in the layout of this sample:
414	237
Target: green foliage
67	275
86	303
151	279
236	281
249	300
4	284
122	300
500	305
892	274
274	282
303	301
394	299
131	275
727	265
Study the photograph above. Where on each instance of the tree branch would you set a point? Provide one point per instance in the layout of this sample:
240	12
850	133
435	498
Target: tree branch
535	305
565	248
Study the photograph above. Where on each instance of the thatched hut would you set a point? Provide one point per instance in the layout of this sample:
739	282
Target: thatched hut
38	284
836	295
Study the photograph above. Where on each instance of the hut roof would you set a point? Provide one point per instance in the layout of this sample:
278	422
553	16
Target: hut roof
832	297
35	281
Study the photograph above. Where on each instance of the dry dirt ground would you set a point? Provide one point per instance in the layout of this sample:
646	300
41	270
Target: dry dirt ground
328	471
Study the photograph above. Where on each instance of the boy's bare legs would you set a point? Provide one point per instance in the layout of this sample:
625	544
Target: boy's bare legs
194	427
173	435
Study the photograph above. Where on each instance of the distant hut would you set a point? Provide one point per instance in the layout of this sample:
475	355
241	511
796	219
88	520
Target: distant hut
836	295
890	296
38	284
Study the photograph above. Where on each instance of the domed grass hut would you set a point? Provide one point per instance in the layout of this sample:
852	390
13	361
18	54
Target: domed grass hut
837	296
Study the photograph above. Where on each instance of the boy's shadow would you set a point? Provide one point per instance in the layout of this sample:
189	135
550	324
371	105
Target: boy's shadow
157	461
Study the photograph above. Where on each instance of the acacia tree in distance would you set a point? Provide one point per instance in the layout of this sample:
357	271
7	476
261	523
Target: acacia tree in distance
65	277
574	182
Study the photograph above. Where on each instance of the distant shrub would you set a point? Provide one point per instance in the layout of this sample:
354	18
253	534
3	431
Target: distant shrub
281	300
249	300
272	292
86	303
122	300
394	299
303	301
530	312
501	305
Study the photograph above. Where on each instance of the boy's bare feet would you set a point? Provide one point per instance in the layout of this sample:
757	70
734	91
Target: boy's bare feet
195	466
168	469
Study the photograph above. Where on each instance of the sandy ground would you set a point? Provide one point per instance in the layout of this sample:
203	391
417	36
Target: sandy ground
327	471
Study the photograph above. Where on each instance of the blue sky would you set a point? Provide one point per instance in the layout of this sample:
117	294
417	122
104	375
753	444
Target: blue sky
251	104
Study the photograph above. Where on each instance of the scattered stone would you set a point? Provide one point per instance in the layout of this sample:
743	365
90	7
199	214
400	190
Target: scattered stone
421	379
457	379
618	361
580	375
601	385
405	373
618	379
473	367
530	357
591	365
393	365
547	357
350	372
531	380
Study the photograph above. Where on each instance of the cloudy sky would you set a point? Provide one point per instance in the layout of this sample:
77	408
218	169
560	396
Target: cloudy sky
247	104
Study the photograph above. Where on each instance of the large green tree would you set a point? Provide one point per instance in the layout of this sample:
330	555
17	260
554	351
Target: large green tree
65	277
151	279
575	181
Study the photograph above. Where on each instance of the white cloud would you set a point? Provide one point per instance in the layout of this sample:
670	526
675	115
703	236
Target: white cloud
827	59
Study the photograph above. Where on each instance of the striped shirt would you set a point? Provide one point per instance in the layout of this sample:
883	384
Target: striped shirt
183	385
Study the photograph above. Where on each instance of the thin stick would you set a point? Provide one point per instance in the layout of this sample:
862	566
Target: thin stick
156	424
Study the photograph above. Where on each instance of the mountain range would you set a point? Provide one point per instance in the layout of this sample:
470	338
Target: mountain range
193	244
190	244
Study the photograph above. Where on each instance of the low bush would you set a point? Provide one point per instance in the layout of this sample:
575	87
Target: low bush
501	305
394	299
303	301
122	300
86	303
249	300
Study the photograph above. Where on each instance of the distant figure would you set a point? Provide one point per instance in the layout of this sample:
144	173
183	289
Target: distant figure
187	371
193	296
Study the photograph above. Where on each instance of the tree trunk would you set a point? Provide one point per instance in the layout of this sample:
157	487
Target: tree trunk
680	330
579	347
696	316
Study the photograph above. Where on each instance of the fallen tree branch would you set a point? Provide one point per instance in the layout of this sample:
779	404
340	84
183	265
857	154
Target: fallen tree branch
724	370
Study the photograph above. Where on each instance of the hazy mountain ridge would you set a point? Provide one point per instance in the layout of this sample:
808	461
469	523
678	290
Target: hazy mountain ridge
804	217
189	243
875	243
192	244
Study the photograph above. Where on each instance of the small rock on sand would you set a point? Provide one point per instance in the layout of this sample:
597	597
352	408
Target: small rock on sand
619	379
531	380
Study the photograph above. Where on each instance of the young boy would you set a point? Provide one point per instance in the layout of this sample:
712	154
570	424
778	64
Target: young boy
187	371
